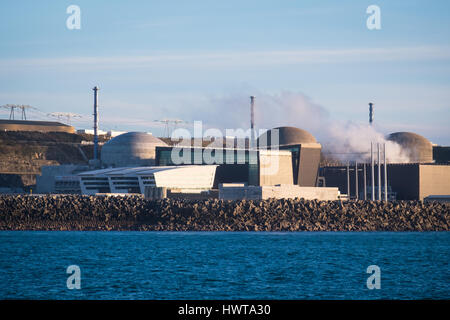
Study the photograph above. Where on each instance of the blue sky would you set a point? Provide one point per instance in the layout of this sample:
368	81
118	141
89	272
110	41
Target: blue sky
200	60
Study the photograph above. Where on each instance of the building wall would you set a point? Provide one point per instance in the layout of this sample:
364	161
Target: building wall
228	173
275	168
277	192
45	182
441	154
412	181
35	127
434	180
404	179
237	165
309	164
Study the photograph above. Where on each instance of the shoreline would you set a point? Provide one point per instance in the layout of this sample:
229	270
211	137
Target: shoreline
89	213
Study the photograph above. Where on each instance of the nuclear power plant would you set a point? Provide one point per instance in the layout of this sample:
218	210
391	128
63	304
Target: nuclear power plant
283	162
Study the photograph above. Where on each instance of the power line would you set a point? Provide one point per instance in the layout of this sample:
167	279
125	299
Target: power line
168	123
66	115
22	107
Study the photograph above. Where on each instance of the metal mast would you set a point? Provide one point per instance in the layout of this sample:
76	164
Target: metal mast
252	121
95	122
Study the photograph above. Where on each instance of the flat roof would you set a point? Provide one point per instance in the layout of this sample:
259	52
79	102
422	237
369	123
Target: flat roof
34	123
282	151
136	170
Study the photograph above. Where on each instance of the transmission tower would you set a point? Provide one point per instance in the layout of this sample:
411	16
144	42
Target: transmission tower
22	107
168	123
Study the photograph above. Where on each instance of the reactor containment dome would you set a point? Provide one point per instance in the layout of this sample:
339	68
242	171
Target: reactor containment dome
131	149
418	148
286	136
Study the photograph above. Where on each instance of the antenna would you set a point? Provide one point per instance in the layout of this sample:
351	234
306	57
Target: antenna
95	122
252	121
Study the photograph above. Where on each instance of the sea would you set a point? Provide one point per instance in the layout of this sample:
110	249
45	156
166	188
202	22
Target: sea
224	265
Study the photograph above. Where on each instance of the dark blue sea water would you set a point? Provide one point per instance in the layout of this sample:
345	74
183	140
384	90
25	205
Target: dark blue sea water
219	265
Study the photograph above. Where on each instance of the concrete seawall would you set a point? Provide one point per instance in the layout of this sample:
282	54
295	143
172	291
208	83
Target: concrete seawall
134	213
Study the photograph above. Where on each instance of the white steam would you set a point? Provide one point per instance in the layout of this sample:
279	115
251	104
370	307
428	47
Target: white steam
348	141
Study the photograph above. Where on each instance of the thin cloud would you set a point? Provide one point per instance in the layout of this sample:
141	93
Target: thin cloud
247	58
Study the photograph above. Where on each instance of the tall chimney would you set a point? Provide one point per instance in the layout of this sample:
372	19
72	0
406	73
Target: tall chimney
379	172
95	122
348	180
356	181
252	121
385	174
370	113
365	181
373	171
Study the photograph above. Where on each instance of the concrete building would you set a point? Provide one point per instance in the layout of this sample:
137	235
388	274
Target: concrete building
109	133
409	181
416	147
294	152
130	149
40	126
304	149
238	192
188	179
441	154
59	179
253	167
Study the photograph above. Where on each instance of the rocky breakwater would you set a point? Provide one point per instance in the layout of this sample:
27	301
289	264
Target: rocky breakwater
74	212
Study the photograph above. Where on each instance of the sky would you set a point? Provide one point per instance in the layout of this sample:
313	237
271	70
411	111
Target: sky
307	63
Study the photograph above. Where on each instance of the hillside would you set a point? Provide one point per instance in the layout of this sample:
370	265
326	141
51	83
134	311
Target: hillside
22	154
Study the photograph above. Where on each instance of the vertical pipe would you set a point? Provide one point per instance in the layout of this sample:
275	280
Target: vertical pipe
95	122
373	171
252	121
356	181
385	174
348	180
379	171
365	181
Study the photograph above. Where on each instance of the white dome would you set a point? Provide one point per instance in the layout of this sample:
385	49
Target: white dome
130	149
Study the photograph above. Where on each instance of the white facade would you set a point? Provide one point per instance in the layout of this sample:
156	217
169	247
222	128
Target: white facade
238	192
135	179
110	133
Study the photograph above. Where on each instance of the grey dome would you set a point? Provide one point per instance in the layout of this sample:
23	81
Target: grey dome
287	136
130	149
418	148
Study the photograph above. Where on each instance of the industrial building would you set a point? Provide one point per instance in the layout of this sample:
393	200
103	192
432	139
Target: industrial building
417	179
135	161
294	151
441	154
60	179
282	162
237	192
303	147
253	167
417	148
130	149
187	179
37	126
405	181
